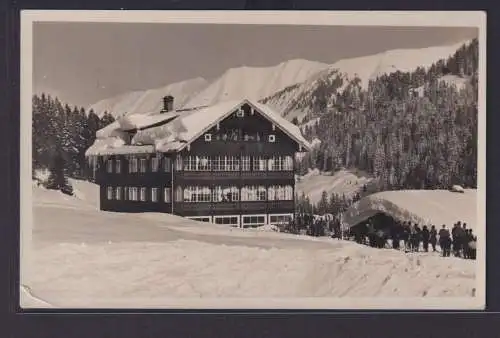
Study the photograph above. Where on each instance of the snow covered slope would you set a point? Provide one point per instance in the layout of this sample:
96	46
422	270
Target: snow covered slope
256	83
425	207
297	100
149	100
342	182
88	258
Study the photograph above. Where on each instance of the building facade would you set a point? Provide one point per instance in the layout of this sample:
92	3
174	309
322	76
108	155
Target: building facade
235	167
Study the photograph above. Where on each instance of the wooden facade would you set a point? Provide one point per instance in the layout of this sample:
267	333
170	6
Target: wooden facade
240	170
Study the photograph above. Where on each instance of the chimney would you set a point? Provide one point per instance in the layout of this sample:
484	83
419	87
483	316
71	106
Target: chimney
168	104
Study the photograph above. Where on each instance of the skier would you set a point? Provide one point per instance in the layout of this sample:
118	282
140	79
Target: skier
425	238
433	238
444	241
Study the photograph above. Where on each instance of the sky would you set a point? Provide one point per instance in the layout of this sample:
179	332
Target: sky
82	63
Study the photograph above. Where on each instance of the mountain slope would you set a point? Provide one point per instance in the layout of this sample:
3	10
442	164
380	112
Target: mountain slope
256	82
149	100
298	100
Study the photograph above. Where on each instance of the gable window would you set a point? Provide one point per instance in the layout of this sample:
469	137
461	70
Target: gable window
109	166
143	165
155	162
208	137
225	194
245	163
143	194
118	166
118	193
167	164
110	193
167	195
272	138
240	113
132	165
154	194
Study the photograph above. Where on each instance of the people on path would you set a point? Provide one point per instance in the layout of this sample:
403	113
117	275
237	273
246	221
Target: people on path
445	241
433	238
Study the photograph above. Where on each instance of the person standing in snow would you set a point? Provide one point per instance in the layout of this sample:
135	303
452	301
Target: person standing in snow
465	240
417	238
445	241
433	238
406	234
425	238
456	239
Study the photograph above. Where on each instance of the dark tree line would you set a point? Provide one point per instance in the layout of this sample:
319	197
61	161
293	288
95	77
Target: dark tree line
61	135
333	204
411	130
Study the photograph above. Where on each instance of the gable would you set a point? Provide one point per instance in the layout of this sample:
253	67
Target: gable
250	116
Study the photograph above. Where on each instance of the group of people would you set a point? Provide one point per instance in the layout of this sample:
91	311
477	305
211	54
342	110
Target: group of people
460	241
403	235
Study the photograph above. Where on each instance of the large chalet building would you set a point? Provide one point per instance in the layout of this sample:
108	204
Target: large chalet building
230	163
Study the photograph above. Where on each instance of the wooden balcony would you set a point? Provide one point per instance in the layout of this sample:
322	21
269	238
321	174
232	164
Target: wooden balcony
234	175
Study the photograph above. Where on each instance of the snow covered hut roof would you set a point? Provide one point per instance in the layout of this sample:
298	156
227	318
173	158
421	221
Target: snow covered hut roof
170	132
425	207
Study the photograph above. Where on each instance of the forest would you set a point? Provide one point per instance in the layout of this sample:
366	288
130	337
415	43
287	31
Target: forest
61	135
410	130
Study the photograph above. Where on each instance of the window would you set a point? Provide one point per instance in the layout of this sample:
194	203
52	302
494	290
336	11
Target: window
229	220
110	193
280	193
143	194
155	163
259	163
196	163
276	219
132	193
154	194
208	137
143	165
132	165
118	166
272	138
225	194
197	194
167	195
240	113
178	194
288	163
178	163
245	163
125	193
253	220
118	193
109	166
167	164
226	163
253	193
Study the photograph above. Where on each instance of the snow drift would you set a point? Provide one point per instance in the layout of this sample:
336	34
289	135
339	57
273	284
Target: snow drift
425	207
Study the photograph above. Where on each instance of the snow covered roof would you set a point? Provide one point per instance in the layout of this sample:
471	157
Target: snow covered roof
424	207
180	128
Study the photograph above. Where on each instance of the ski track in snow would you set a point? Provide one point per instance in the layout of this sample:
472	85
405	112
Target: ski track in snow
82	255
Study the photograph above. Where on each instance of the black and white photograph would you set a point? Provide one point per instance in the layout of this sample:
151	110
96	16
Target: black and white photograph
253	160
